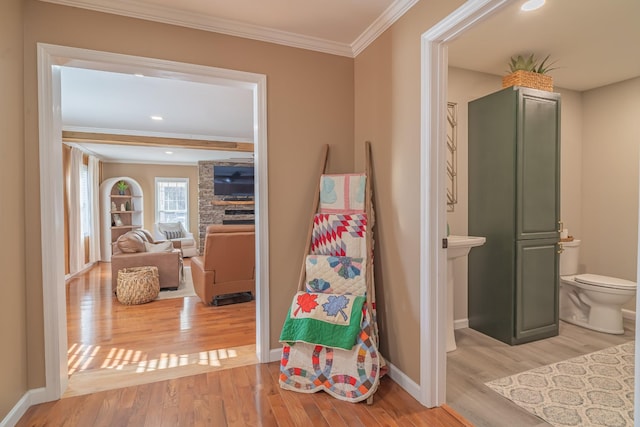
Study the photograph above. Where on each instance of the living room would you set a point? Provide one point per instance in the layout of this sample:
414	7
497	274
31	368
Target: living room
170	164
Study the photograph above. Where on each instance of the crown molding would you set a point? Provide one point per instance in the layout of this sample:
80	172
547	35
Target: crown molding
168	15
384	21
135	9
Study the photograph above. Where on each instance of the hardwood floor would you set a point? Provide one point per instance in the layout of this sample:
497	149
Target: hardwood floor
242	396
108	341
480	359
129	365
166	363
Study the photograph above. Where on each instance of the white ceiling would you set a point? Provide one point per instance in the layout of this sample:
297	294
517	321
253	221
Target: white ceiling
160	155
593	42
116	103
124	103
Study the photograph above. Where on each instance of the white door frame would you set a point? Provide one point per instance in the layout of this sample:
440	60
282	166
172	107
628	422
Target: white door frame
50	58
433	216
433	207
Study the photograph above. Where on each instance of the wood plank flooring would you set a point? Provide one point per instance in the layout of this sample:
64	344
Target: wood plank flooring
109	343
480	359
242	396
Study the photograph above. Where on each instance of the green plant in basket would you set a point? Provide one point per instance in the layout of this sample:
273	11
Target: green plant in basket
530	64
543	68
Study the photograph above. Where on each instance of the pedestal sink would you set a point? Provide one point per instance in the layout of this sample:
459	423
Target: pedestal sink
459	246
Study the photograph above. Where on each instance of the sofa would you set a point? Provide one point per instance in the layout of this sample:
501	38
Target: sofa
175	232
228	264
137	248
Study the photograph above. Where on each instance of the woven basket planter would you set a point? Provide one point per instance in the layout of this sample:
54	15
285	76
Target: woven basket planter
528	79
137	285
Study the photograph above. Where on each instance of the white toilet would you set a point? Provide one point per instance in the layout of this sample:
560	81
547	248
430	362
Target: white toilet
590	300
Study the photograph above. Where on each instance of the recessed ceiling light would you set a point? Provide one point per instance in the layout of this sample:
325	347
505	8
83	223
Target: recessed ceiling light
532	5
157	118
168	152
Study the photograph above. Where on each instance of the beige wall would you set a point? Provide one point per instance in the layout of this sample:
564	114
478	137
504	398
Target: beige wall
145	175
465	86
610	180
13	317
571	165
310	103
387	99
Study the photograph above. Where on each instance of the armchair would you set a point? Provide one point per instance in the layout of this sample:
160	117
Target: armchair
228	263
176	232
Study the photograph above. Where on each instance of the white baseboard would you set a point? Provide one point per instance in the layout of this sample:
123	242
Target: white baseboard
460	323
629	314
30	398
275	354
404	381
86	268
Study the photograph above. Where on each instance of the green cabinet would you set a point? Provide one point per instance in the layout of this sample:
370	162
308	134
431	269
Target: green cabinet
514	201
536	293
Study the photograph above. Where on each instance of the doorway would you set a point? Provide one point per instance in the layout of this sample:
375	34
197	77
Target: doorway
433	216
50	58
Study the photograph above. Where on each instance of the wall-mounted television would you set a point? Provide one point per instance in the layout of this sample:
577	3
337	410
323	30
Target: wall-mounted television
234	181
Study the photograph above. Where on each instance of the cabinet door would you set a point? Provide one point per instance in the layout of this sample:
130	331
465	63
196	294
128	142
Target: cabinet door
538	165
537	277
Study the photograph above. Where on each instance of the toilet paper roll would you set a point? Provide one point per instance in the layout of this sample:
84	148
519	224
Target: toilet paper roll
564	233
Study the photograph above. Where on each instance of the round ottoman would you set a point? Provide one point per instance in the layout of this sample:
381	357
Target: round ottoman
137	285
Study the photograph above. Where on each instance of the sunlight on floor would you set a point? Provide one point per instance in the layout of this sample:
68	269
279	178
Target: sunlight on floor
127	367
117	358
81	356
204	358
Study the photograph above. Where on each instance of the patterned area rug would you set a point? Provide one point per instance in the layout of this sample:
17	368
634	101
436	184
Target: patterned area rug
591	390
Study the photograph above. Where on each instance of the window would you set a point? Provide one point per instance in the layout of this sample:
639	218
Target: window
172	200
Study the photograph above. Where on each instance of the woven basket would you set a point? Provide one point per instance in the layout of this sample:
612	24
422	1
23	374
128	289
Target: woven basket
528	79
137	285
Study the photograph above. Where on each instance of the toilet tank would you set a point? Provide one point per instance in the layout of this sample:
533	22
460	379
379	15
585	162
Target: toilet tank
569	258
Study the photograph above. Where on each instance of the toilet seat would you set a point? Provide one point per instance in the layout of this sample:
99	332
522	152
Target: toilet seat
605	281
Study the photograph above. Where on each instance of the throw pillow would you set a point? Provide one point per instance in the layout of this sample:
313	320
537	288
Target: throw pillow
130	243
159	247
171	234
147	235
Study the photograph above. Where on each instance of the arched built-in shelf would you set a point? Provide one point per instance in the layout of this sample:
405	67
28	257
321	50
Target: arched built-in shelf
112	203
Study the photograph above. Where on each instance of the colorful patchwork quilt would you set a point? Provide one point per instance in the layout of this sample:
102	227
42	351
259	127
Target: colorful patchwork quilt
349	375
336	275
342	193
339	235
323	319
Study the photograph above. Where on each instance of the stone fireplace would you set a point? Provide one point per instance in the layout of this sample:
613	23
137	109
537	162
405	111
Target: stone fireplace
216	209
